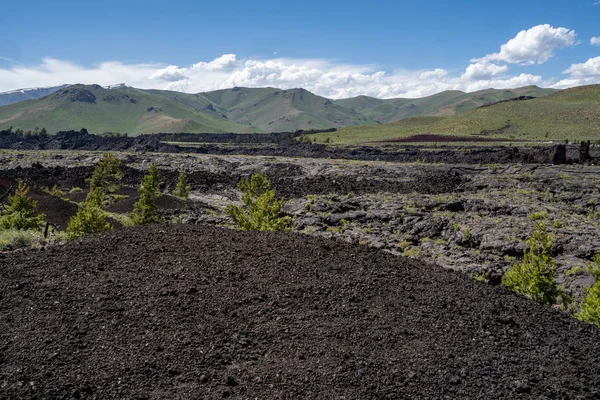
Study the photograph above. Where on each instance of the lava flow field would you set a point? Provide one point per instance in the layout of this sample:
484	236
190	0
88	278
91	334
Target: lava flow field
184	311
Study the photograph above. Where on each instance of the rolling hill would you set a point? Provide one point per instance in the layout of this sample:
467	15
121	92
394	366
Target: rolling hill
135	111
440	104
112	110
270	109
568	114
15	96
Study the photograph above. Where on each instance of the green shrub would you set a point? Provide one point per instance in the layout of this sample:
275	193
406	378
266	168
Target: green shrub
413	252
55	191
535	277
76	190
15	238
589	309
90	218
403	245
105	179
21	213
123	219
261	206
467	233
182	189
145	210
537	216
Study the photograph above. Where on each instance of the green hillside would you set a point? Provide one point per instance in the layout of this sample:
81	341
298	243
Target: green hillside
441	104
135	111
112	110
15	96
276	110
569	114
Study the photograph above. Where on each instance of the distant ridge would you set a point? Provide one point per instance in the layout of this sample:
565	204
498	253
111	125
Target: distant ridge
124	109
15	96
570	114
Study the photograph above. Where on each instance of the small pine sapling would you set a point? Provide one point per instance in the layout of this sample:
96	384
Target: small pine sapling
145	210
535	277
182	189
21	213
589	310
106	177
262	207
90	217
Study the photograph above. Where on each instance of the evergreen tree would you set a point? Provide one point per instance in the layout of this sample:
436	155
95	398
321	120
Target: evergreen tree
20	213
90	217
589	310
105	179
261	206
535	277
145	210
182	189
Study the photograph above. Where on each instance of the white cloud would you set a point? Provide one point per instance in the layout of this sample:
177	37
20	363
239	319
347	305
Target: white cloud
586	73
590	68
483	71
535	45
508	83
52	72
595	41
333	80
436	73
323	77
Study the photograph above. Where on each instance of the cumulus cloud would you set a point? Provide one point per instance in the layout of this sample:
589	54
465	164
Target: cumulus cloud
590	68
595	41
586	73
483	71
507	83
53	72
323	77
329	79
535	45
436	73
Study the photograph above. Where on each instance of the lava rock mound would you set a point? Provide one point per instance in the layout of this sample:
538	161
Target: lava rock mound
201	312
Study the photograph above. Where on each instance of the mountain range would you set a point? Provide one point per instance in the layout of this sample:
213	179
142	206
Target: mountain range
15	96
570	114
134	111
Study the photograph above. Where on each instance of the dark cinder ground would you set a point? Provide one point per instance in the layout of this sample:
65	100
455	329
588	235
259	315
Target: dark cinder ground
185	311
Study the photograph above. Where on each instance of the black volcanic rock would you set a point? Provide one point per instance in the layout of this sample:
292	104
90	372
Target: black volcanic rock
75	94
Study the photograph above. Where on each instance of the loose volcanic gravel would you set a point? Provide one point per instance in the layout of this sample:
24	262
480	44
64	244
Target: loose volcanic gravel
186	312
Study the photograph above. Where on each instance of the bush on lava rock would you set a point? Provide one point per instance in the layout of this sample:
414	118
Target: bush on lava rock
145	209
535	277
90	217
106	177
20	213
262	207
589	310
182	189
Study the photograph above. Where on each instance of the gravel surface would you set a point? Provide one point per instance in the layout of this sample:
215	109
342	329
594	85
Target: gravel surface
186	311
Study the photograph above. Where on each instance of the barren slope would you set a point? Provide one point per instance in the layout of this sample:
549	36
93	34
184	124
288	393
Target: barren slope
198	312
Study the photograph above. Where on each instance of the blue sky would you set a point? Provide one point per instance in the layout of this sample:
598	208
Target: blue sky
335	48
